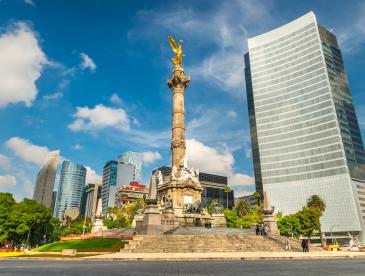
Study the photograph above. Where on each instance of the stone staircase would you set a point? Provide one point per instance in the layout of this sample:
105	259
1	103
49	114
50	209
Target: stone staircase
207	243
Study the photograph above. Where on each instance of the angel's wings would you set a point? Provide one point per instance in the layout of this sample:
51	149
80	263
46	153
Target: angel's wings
173	44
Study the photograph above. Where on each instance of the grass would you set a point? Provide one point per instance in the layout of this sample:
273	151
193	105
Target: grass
93	245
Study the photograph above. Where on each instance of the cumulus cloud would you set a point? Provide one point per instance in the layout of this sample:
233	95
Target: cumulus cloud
210	160
29	2
21	64
7	181
27	151
150	157
115	99
92	176
53	96
87	62
100	117
5	163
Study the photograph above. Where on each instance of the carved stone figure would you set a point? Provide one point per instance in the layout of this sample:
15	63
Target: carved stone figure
193	208
167	202
174	173
217	209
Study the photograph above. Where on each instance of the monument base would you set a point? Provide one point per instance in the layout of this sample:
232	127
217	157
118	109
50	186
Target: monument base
270	221
219	220
151	224
98	225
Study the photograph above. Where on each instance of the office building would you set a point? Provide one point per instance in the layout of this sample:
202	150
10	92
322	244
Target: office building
43	189
71	188
213	187
54	199
249	198
130	193
115	174
136	159
304	131
92	194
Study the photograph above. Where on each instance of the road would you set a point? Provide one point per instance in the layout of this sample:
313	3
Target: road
149	268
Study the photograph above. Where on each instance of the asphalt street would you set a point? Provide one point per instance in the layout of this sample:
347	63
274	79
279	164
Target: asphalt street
139	268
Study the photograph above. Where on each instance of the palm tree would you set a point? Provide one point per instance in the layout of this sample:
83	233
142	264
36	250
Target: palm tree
243	208
257	197
315	201
227	190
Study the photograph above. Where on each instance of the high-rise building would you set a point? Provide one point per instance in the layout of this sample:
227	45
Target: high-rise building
130	193
115	174
43	190
93	193
213	187
304	131
71	188
54	199
136	159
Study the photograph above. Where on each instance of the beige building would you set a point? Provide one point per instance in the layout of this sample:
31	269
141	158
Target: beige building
43	190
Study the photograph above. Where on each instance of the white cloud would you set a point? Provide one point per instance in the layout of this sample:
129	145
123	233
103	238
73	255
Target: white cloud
21	64
100	117
92	176
150	157
231	114
210	160
77	147
29	2
361	116
87	62
27	151
351	36
5	163
115	99
7	181
54	96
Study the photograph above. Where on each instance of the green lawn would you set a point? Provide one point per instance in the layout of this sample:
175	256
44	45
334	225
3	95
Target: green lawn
93	245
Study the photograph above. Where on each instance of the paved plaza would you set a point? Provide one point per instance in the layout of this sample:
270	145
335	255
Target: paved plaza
151	268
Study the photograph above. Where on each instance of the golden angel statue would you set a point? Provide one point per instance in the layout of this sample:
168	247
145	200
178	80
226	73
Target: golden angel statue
177	59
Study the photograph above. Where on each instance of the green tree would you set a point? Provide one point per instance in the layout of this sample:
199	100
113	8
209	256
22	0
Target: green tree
290	226
257	197
243	208
211	206
28	222
227	190
7	203
309	220
75	226
315	201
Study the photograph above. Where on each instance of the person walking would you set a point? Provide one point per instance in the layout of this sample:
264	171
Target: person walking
257	229
287	244
307	245
303	244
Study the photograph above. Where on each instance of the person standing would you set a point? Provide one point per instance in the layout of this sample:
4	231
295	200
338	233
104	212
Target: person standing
303	244
257	229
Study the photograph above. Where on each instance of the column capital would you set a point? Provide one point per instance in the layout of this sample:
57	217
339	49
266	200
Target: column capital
178	79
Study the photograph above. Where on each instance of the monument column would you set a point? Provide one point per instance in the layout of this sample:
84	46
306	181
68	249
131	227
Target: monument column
177	84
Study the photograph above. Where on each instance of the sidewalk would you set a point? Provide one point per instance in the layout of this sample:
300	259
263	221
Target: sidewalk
226	256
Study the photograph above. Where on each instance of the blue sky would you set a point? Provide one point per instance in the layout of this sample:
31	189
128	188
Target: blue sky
89	78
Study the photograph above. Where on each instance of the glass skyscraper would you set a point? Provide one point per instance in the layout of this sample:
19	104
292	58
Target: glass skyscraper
115	174
43	190
136	159
304	131
71	189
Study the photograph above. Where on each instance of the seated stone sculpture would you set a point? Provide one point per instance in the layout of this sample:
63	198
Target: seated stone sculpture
193	208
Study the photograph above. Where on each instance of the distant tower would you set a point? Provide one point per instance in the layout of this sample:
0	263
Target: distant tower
43	190
136	159
72	185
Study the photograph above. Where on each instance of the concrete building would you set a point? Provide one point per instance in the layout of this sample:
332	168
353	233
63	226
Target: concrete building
213	187
115	174
93	193
249	198
304	130
71	188
136	159
130	193
43	189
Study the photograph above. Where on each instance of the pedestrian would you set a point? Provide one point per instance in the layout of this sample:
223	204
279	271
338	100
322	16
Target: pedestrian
287	244
303	244
257	229
307	245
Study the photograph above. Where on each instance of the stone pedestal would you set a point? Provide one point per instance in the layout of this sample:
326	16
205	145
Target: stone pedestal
219	220
270	221
151	224
98	226
137	220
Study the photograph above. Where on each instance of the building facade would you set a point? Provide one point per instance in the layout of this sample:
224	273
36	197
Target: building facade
43	190
115	174
213	187
304	131
71	188
136	159
249	198
130	193
93	193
